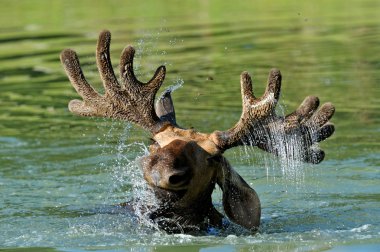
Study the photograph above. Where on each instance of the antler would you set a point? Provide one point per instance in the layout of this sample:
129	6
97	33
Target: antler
293	136
131	100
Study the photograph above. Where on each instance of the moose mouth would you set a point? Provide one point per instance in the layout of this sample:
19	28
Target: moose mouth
168	196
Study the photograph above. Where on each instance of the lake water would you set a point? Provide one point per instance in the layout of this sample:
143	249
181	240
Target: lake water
61	175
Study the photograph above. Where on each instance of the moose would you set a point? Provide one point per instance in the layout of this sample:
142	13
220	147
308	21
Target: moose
184	165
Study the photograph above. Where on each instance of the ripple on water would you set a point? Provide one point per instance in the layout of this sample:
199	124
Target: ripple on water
11	142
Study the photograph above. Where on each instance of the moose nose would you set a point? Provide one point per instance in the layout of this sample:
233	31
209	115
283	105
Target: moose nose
179	178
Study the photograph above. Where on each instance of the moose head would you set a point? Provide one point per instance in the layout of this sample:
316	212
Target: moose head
184	165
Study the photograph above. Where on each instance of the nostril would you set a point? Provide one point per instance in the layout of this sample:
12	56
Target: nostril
178	178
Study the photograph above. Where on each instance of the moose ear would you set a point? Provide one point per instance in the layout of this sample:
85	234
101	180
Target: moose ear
240	201
165	108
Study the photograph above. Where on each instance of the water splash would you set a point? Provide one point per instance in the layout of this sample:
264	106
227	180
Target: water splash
126	188
289	151
147	48
177	84
289	148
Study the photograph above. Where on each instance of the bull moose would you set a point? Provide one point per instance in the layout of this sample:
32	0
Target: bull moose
184	165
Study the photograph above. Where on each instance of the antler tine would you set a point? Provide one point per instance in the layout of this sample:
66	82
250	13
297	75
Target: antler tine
254	109
128	76
131	83
103	62
259	107
134	101
73	70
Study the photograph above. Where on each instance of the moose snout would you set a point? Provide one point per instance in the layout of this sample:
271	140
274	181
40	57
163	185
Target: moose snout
178	178
172	179
169	167
166	175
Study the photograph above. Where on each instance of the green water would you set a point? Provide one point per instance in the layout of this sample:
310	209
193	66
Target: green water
60	174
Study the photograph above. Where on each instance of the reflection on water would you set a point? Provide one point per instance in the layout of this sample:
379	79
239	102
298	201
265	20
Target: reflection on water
61	176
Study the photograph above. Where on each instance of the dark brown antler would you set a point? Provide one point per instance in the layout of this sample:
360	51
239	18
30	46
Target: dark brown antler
293	136
131	100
